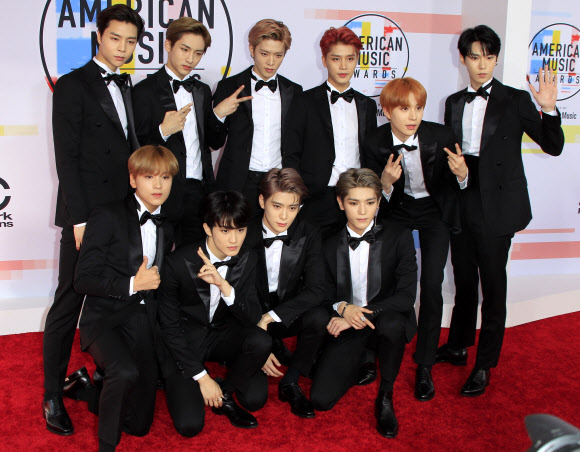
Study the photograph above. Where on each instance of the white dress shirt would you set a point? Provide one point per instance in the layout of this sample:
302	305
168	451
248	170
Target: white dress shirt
345	130
193	167
413	169
267	119
273	258
116	95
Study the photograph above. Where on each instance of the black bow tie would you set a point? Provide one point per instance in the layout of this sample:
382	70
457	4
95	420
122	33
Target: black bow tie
354	242
272	84
482	91
188	84
156	219
283	238
119	79
347	95
229	263
398	147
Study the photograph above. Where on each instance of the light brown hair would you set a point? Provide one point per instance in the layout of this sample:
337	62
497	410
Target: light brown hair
396	93
152	159
270	29
358	178
286	180
187	25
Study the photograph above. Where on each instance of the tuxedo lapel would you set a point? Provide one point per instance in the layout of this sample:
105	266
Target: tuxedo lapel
457	107
385	149
324	112
343	275
203	289
135	245
245	79
164	92
493	113
428	153
362	120
286	95
235	273
128	101
197	94
290	255
374	267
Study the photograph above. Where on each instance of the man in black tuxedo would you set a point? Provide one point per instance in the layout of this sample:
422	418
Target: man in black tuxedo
174	109
371	283
327	128
419	192
256	132
488	120
119	267
290	271
94	135
209	310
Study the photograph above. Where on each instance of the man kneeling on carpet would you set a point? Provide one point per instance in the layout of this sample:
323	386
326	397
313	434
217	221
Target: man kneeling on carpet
119	269
372	282
209	310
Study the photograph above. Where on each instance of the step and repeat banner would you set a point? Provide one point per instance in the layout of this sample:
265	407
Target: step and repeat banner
45	39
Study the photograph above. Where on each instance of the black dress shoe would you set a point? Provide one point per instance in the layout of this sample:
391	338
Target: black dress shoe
235	413
387	424
78	385
281	352
299	404
424	387
476	383
367	373
98	378
57	419
455	356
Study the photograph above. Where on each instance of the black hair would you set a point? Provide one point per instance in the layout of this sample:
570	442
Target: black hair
121	13
226	209
489	40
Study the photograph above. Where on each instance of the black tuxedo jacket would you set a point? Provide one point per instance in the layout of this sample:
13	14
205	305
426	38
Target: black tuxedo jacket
301	271
440	182
184	304
111	253
152	98
235	161
391	277
310	138
502	181
90	146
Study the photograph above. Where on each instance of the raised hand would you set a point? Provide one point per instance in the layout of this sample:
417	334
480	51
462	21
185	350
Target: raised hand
208	272
146	279
174	121
547	93
391	173
457	163
230	104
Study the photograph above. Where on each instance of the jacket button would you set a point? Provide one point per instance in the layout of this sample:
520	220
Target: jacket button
105	181
498	163
500	187
99	124
505	138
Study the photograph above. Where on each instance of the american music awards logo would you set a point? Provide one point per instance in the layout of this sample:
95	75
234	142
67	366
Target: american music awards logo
385	53
68	35
5	217
557	45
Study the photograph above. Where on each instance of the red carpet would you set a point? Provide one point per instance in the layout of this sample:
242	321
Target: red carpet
538	373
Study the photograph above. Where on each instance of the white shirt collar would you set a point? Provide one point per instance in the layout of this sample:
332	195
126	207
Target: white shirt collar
267	233
212	257
354	234
332	88
142	209
175	77
411	141
471	90
274	77
105	67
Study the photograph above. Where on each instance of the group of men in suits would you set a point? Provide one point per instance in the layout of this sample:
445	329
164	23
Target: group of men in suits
251	269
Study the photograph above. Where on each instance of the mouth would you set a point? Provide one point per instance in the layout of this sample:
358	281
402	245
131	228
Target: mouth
157	195
232	248
187	68
362	219
482	75
281	225
411	126
343	75
120	58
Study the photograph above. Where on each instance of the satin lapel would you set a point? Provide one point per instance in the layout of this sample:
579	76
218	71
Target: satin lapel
374	268
493	114
247	91
324	110
164	92
428	152
362	120
457	108
135	245
160	250
290	255
234	274
286	94
343	275
201	286
197	94
102	94
385	149
127	100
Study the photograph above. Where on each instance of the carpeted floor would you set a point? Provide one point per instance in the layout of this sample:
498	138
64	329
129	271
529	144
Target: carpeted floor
539	372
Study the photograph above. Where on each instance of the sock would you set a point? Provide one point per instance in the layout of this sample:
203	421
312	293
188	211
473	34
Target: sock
106	447
292	375
227	387
49	395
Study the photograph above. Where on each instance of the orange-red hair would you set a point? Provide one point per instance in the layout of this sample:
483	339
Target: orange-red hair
396	93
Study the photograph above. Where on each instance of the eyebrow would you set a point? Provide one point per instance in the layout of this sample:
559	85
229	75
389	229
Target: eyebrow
368	199
119	36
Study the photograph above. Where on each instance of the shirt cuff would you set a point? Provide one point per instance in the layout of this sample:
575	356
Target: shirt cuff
131	291
80	225
274	316
230	300
388	195
463	185
554	112
165	137
335	305
199	375
222	120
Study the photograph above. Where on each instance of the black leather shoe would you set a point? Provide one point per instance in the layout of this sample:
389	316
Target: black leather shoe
57	419
77	385
281	352
367	373
387	424
455	356
424	387
476	383
98	378
237	416
299	404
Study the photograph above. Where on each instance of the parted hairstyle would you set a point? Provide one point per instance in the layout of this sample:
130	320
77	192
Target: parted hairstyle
153	159
286	180
489	40
341	35
270	29
358	178
226	209
396	93
121	13
187	25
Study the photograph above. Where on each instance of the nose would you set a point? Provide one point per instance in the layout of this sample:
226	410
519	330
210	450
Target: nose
122	45
362	209
189	58
412	114
283	214
233	237
157	182
343	63
482	63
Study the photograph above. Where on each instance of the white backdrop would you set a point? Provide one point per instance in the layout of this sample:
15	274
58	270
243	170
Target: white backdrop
46	38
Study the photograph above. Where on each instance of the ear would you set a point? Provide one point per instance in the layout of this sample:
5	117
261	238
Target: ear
324	61
340	204
262	202
462	59
207	229
99	37
252	50
168	45
132	181
387	114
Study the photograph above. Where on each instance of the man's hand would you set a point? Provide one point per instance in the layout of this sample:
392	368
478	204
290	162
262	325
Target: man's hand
79	232
391	173
457	163
174	121
337	325
270	368
211	391
264	321
146	279
230	104
548	89
355	316
211	276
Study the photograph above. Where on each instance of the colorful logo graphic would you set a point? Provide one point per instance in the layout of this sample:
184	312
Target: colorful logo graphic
68	35
557	46
385	53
